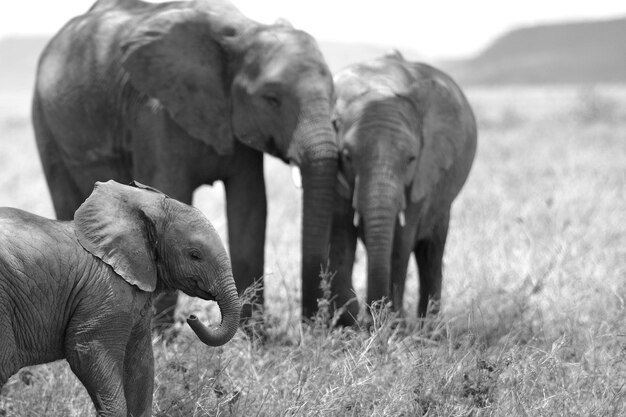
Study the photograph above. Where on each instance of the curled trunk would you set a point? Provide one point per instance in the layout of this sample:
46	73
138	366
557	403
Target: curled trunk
230	309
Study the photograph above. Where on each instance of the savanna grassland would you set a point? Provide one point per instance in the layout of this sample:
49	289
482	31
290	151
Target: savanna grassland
534	310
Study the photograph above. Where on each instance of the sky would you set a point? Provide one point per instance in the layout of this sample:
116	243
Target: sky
433	29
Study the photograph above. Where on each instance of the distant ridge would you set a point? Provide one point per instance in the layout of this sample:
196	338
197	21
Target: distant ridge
566	53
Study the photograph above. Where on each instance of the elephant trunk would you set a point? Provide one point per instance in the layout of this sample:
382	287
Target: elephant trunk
379	201
318	164
227	298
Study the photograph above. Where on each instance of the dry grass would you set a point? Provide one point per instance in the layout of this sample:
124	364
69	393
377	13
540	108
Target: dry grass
535	280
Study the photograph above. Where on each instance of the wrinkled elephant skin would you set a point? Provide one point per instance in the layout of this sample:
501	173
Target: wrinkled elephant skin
83	290
181	94
407	139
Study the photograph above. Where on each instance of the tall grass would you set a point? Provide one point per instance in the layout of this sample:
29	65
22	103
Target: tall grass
533	320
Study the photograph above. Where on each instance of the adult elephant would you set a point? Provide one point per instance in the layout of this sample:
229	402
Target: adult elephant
407	137
181	94
82	290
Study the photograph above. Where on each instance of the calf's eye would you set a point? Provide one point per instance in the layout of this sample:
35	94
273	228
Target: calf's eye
195	254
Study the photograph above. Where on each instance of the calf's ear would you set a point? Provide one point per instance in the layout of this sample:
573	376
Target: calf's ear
116	225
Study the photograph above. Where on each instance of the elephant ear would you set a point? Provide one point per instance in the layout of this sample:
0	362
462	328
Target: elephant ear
442	133
113	224
175	57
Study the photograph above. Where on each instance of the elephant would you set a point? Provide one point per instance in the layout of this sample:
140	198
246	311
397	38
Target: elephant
82	290
407	138
181	94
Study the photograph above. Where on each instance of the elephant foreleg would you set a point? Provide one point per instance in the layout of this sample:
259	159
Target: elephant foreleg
139	372
95	347
99	367
401	253
429	257
342	251
246	208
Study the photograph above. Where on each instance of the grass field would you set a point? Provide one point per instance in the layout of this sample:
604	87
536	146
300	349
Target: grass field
534	313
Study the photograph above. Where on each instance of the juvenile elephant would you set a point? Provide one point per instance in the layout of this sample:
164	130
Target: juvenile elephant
82	290
407	138
181	94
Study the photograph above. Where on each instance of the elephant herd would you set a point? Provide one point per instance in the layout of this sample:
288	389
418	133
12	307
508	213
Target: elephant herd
177	95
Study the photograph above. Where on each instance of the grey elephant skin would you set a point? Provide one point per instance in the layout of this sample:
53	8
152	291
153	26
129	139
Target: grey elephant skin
83	290
181	94
407	138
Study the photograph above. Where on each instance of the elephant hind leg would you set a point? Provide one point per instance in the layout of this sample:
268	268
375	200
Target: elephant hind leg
66	196
429	257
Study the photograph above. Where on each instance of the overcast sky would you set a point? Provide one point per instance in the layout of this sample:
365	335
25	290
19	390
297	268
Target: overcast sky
433	29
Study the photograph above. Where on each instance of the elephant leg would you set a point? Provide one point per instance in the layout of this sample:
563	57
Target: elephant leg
66	196
429	257
403	246
246	208
139	372
342	249
65	193
99	365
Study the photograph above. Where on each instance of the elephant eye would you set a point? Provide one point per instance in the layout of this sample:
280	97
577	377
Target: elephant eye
195	254
411	159
272	100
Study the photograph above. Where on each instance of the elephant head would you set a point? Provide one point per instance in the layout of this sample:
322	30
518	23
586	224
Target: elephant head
223	77
155	242
407	138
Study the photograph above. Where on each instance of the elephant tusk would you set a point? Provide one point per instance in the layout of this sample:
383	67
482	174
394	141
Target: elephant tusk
296	177
401	218
356	218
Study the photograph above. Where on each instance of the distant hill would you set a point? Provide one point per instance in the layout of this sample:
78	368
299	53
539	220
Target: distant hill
565	53
583	52
18	58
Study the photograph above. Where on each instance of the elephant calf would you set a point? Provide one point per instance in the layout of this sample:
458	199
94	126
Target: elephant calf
82	290
407	139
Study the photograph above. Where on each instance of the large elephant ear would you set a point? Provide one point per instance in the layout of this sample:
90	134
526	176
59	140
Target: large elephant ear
442	131
174	56
114	225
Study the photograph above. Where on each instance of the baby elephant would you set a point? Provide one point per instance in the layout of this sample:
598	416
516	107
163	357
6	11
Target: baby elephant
82	290
407	138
